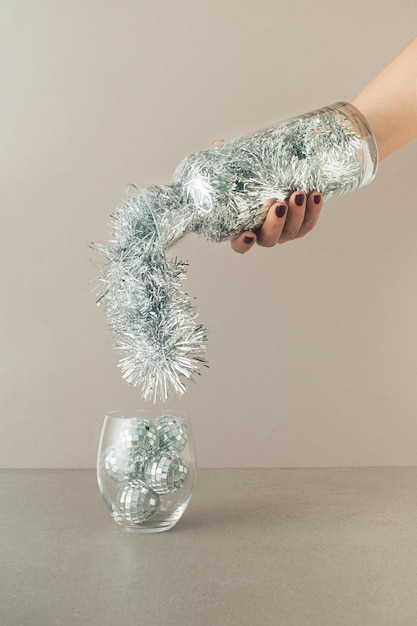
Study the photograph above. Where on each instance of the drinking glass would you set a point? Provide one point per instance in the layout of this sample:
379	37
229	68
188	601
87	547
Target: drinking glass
146	467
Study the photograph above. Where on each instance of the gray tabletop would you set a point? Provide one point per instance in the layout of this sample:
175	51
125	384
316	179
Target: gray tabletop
264	546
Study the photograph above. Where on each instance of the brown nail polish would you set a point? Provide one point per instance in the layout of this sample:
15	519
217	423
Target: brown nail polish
280	210
248	240
299	199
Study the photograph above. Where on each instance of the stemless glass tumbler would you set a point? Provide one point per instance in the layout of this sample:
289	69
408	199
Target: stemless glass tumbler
146	467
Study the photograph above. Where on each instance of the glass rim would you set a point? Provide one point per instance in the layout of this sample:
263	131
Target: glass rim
146	413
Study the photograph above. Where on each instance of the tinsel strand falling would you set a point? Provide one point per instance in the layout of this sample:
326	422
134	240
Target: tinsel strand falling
217	193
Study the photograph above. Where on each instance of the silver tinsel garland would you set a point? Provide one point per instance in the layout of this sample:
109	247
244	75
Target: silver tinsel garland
218	194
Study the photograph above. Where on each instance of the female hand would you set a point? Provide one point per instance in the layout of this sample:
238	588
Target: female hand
283	222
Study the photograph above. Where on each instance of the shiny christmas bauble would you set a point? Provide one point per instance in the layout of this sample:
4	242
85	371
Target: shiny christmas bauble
166	472
118	464
172	433
136	502
139	437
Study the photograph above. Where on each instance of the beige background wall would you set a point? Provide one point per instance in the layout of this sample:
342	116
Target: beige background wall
313	345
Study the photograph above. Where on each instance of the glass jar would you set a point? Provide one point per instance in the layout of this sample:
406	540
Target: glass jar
331	150
146	467
346	154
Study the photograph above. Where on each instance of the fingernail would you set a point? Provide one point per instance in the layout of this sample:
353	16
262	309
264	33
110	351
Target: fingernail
317	198
248	240
299	199
280	210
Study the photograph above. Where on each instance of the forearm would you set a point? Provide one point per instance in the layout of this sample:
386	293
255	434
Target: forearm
389	102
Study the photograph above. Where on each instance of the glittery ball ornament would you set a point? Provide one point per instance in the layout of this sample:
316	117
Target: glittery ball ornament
139	437
119	464
137	502
217	193
172	433
166	472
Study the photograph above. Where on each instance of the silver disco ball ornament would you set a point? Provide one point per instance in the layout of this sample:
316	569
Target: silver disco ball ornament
166	472
136	502
139	437
172	433
119	465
